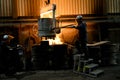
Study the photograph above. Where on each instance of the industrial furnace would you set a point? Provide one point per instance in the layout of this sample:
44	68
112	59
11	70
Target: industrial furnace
51	52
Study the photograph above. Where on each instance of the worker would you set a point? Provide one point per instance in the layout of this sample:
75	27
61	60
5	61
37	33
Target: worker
9	55
81	43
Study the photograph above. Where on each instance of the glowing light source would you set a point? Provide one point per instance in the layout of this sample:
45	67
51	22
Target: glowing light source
47	14
57	40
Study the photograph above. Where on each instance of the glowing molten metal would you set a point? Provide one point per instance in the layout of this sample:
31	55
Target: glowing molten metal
57	40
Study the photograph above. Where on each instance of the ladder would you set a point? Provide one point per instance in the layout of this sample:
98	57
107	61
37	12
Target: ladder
86	67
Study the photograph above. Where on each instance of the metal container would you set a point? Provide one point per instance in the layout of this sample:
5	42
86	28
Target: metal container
46	27
49	57
40	57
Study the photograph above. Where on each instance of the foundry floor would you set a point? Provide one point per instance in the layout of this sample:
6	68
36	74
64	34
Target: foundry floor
110	73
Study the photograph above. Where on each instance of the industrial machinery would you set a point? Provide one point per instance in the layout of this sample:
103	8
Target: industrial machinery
46	55
47	21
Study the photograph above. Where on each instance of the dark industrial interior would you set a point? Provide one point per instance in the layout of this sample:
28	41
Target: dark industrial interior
41	40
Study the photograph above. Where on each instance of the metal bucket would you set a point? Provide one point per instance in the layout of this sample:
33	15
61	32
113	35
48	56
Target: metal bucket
46	27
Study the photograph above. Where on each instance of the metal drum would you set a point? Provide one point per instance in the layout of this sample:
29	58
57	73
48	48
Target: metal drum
46	27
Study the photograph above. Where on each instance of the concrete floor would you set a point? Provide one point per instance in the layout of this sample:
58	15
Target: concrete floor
110	73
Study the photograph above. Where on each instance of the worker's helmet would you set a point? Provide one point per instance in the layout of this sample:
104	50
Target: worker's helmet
79	17
5	37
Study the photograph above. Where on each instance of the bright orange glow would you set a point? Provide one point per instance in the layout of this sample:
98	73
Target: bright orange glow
57	40
48	14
